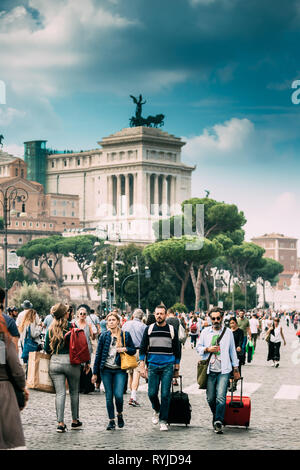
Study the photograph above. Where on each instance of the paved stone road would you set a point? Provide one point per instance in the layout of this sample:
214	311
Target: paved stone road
275	397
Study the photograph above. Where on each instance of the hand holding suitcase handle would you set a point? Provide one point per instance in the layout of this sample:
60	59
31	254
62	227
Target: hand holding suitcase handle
236	374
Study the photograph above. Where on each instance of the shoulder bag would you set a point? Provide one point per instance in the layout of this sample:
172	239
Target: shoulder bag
127	361
202	366
29	345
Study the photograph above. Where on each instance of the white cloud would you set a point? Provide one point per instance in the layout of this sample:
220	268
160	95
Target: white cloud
14	149
44	56
8	115
230	140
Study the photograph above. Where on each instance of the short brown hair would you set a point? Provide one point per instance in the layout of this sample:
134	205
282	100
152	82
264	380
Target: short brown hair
216	310
161	306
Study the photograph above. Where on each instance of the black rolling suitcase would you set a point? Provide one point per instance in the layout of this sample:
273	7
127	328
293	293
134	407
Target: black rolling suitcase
180	408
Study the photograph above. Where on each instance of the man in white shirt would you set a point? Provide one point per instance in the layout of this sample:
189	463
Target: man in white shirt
254	327
223	358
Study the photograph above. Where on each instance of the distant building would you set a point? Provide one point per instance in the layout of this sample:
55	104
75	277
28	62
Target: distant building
133	180
282	249
41	215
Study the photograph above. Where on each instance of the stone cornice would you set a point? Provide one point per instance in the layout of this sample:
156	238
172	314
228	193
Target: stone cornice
151	135
128	166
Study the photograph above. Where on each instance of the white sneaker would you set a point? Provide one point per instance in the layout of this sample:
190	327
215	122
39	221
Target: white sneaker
163	426
155	417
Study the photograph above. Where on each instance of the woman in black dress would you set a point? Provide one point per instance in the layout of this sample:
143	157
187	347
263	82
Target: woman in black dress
238	335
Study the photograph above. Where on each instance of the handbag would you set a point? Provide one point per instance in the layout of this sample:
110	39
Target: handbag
29	345
202	367
181	333
127	361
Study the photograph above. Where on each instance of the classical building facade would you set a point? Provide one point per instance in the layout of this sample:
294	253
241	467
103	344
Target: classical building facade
135	178
40	215
282	249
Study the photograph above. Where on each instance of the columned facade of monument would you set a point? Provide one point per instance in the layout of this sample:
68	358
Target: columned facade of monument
135	178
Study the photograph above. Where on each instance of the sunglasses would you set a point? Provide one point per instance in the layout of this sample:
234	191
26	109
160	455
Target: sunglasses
216	318
81	313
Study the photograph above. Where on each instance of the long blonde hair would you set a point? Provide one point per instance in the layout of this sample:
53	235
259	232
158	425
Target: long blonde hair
57	331
29	318
114	314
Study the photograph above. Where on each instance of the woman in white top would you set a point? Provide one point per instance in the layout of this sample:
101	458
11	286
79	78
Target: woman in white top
275	334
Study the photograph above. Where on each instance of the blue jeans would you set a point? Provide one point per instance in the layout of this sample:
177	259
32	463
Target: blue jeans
114	382
163	375
216	391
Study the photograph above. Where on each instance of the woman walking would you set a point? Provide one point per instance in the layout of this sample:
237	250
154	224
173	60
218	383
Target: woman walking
108	364
274	335
11	431
194	331
60	368
81	322
31	325
238	336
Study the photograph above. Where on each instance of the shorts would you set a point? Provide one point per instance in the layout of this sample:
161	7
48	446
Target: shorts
136	369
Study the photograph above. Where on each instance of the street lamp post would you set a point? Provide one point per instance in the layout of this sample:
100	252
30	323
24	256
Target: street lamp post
147	275
7	197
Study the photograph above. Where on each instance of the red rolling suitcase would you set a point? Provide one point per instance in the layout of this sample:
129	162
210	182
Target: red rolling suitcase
238	409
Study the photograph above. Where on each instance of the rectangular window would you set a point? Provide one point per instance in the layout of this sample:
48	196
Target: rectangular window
36	262
78	162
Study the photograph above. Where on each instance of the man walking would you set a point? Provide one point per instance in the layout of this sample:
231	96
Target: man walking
243	324
173	320
254	327
216	343
136	329
160	345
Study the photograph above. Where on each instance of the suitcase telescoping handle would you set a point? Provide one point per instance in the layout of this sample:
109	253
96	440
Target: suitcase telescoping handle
180	377
240	403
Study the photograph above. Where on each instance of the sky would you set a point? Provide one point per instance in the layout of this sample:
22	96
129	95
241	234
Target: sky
221	71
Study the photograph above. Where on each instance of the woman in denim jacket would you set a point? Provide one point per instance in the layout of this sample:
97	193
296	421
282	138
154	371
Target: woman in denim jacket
108	364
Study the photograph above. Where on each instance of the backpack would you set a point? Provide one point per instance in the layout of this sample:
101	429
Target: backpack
193	328
171	327
181	334
78	349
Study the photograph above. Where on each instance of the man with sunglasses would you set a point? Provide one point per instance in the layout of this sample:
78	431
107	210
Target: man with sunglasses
216	343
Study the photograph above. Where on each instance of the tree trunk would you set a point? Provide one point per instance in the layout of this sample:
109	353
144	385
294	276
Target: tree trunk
207	296
198	288
184	282
85	278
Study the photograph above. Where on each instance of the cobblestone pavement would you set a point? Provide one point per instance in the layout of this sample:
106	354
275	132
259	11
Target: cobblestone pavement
274	424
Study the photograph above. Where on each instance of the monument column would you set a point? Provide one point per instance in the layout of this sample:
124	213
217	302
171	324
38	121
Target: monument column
135	193
109	195
164	195
155	194
119	193
127	192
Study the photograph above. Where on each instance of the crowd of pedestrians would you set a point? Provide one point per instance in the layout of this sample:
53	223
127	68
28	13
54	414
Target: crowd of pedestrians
153	343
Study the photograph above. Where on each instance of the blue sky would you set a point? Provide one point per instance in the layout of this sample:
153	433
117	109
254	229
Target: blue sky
220	70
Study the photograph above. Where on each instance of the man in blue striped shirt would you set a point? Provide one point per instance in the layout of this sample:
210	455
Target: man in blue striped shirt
223	358
161	346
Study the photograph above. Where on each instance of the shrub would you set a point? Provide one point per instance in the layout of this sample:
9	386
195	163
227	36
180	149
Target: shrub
178	307
40	296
